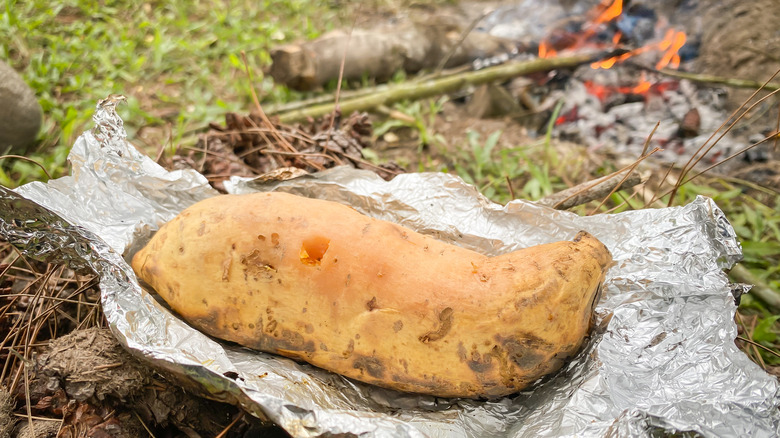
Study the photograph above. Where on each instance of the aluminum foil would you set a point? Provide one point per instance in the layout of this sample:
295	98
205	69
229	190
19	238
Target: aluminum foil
662	358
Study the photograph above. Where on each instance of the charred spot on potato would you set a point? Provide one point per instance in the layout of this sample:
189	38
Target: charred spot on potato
226	268
313	250
290	343
398	325
371	304
293	338
370	365
525	350
480	363
256	267
350	348
445	324
461	352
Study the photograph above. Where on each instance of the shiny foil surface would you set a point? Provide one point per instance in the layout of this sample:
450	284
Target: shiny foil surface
662	357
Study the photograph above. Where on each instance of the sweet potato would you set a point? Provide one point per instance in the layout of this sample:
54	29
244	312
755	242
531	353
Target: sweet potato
317	281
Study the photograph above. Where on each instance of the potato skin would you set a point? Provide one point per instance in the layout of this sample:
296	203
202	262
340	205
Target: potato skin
317	281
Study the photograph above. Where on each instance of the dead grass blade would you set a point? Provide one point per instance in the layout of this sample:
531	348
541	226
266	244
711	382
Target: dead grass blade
19	157
704	149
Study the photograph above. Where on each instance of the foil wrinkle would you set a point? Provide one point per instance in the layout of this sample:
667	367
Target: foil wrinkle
662	358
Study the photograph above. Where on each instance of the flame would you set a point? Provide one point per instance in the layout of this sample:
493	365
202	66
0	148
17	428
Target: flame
643	86
671	45
546	51
609	13
606	12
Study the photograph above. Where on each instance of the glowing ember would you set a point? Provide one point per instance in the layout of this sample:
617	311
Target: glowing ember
643	88
644	85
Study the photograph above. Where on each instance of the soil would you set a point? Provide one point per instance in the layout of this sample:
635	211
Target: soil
740	40
87	379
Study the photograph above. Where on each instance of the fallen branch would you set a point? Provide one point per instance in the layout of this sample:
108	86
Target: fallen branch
591	190
760	290
719	80
434	87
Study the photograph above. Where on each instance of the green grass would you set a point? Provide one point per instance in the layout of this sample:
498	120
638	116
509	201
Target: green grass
179	63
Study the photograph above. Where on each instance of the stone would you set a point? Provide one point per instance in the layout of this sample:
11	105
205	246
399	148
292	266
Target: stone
20	112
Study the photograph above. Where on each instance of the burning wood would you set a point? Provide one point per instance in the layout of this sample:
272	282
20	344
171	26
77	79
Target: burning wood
593	33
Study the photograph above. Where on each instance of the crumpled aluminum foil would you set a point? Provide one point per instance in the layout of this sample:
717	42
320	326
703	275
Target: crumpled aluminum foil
662	358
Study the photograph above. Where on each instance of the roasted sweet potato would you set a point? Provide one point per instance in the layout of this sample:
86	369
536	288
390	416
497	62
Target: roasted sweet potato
317	281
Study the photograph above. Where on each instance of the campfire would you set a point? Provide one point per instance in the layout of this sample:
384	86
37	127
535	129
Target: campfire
614	104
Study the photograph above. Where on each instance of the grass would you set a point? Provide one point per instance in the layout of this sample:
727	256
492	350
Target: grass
179	64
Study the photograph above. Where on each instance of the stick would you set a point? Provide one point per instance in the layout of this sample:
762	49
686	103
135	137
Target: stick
760	290
590	190
708	79
756	344
434	87
459	43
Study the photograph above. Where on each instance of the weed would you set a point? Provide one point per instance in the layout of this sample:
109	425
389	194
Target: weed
418	116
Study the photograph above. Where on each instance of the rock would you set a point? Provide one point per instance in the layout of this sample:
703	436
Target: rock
491	100
7	419
20	112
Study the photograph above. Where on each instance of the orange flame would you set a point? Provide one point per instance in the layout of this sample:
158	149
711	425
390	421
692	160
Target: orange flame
671	45
545	51
610	12
605	12
644	85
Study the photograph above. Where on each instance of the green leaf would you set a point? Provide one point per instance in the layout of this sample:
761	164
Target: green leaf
763	331
760	252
